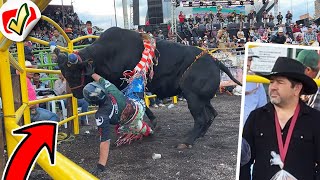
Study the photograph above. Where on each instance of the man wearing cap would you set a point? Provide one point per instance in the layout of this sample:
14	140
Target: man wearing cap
285	127
279	38
255	95
311	60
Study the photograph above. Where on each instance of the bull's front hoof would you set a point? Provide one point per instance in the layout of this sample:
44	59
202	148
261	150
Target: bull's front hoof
184	146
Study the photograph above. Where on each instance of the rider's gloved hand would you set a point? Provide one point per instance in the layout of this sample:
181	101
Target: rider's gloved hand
52	45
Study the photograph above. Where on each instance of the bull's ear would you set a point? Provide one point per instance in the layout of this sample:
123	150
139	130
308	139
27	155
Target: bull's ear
62	59
56	51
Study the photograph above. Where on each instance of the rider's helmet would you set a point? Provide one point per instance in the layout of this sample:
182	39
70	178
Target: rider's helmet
94	93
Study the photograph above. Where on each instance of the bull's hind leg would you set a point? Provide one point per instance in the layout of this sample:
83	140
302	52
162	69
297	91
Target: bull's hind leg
210	113
197	109
151	117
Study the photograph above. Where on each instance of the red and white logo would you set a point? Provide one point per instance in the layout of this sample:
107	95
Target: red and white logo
18	17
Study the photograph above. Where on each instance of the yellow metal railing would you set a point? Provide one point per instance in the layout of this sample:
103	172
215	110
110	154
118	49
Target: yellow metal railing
148	97
64	168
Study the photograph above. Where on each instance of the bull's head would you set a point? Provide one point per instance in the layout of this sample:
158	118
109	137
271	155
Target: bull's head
76	72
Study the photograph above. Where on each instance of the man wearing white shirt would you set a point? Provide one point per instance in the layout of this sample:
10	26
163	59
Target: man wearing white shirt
255	94
60	88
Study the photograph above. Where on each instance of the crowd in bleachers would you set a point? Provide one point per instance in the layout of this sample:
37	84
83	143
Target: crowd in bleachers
190	29
211	30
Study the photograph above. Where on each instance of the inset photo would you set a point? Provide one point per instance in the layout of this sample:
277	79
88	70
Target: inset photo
280	113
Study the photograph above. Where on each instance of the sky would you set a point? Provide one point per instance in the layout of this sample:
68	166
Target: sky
102	13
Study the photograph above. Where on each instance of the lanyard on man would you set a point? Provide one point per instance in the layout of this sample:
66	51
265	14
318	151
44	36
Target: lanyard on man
283	148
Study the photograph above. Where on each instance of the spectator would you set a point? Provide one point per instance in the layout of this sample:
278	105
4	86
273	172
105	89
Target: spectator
261	31
88	30
279	38
160	35
60	88
37	83
37	113
251	18
190	20
296	29
185	42
212	43
288	39
311	60
28	51
211	16
299	39
271	18
264	37
198	18
265	18
181	20
255	94
289	17
279	18
233	16
309	37
58	39
303	28
318	36
314	27
240	34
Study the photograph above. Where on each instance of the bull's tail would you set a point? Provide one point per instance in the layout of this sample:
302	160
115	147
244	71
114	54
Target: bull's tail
227	71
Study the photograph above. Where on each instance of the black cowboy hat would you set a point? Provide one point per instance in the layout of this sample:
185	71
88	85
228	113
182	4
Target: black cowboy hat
294	70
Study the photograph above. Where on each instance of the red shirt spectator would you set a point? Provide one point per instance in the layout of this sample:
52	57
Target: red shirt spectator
181	17
296	29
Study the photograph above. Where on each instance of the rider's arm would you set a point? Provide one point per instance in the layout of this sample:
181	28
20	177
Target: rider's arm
108	86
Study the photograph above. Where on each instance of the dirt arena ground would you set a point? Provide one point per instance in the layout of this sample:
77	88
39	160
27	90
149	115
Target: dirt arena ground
213	157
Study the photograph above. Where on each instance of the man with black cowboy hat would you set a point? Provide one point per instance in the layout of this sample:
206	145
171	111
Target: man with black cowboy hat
285	126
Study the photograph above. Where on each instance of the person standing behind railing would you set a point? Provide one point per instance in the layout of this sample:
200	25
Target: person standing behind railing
58	39
89	31
289	17
279	18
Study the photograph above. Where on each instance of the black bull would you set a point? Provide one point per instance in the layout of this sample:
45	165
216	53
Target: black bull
118	50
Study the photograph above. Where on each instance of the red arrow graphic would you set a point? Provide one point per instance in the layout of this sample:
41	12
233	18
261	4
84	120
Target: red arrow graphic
38	135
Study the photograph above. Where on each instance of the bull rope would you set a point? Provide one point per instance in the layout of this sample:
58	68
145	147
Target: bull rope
146	62
204	52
